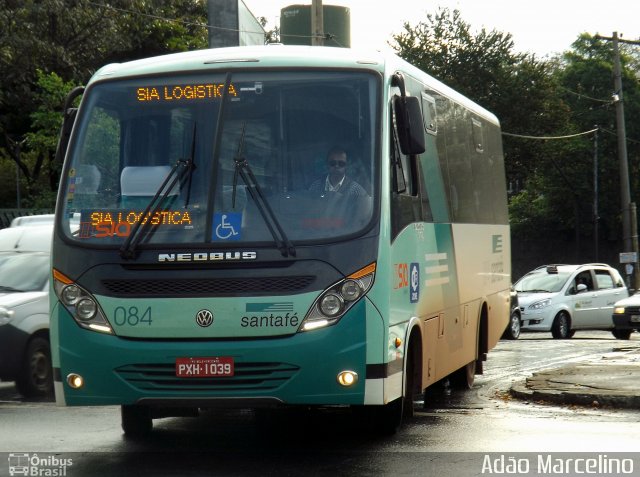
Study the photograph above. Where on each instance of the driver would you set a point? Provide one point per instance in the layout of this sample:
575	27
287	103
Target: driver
336	180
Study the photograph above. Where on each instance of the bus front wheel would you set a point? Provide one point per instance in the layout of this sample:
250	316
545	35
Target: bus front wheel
387	419
136	420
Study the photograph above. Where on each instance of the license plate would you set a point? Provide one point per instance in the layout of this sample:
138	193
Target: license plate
215	367
635	319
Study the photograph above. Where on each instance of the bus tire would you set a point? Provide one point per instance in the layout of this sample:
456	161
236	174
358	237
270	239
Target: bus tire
388	419
464	377
136	420
382	420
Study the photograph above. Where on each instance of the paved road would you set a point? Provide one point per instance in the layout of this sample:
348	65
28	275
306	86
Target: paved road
487	419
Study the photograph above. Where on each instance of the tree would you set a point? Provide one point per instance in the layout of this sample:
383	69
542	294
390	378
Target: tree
72	38
516	87
586	78
270	36
533	98
42	140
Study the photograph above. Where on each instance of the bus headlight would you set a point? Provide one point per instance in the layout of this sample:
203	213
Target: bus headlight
86	309
336	300
331	304
70	295
81	304
351	290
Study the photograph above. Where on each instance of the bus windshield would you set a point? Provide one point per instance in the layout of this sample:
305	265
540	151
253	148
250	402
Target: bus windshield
189	157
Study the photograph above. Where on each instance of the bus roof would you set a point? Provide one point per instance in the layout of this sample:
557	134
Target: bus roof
281	56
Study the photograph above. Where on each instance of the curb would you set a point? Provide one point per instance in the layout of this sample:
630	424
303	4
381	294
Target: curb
580	385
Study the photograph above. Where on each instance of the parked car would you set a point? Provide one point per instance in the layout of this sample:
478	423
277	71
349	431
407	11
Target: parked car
512	331
25	354
26	238
35	220
626	316
566	298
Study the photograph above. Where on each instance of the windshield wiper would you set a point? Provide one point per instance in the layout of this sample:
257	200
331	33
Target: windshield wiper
243	169
535	290
175	176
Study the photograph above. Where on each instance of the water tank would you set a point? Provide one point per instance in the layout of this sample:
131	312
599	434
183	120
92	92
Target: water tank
295	25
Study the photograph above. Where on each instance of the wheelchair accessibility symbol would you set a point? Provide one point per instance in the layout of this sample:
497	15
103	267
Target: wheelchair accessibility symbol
227	226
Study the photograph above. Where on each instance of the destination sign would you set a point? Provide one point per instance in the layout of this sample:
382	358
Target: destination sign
119	223
189	92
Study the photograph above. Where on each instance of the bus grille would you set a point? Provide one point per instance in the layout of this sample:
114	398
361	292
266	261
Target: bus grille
247	377
207	286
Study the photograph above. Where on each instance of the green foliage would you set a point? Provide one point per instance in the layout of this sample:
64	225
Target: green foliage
47	44
553	180
47	118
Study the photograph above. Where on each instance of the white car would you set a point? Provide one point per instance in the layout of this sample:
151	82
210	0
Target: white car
33	220
25	265
626	316
566	298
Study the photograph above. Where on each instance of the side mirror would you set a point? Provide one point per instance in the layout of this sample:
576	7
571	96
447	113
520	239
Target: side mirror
67	123
581	287
409	124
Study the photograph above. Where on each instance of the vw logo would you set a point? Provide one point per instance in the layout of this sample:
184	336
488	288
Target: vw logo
204	318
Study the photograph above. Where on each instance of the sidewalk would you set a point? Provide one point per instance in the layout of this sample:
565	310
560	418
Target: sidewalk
612	381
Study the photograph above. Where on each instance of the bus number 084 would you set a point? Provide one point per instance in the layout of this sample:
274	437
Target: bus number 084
132	316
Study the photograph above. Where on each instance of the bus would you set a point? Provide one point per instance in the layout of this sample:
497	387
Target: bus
208	271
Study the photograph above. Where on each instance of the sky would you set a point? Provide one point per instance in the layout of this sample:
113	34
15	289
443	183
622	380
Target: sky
543	27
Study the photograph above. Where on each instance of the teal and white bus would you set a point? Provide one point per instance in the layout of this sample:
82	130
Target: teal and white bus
195	265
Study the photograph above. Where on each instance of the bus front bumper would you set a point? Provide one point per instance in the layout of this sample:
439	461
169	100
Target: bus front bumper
292	370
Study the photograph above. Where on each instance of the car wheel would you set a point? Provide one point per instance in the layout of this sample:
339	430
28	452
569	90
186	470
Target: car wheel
621	334
36	378
513	330
561	327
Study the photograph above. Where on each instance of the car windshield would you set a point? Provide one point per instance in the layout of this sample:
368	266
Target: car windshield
23	272
540	282
277	135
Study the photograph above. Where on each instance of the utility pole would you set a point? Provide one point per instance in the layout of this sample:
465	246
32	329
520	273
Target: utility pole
317	23
596	218
629	227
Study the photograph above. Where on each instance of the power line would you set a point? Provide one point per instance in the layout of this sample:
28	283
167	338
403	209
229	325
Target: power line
580	95
615	134
547	138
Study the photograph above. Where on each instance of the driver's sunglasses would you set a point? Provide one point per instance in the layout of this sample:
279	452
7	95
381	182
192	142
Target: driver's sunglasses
334	163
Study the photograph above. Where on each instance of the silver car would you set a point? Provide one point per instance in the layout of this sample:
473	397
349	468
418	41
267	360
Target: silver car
25	265
566	298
